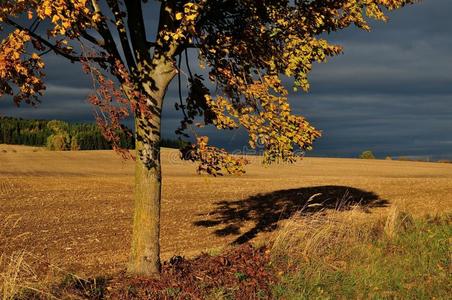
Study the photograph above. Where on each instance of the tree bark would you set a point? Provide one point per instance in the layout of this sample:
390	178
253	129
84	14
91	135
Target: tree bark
145	252
145	248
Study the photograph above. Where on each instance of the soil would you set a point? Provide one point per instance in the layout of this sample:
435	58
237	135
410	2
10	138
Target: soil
74	209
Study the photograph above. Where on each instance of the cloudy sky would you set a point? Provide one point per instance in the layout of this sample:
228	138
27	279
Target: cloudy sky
391	91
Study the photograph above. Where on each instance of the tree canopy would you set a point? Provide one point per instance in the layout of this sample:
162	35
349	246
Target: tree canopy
246	46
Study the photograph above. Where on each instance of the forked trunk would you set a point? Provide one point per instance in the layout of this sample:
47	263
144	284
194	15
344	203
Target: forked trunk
145	250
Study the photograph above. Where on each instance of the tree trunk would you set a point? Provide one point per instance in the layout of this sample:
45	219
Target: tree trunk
145	252
145	248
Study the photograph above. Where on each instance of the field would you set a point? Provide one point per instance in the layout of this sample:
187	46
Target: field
74	209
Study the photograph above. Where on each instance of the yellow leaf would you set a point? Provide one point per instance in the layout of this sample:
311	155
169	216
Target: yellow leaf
179	16
96	18
48	10
192	17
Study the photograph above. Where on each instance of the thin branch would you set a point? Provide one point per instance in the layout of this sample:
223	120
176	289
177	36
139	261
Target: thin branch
180	87
183	47
34	25
55	48
188	64
45	52
104	31
190	127
96	6
84	34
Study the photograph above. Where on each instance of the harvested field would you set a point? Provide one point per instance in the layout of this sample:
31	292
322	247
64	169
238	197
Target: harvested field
75	208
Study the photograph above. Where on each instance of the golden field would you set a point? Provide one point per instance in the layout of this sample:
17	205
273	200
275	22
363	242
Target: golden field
74	209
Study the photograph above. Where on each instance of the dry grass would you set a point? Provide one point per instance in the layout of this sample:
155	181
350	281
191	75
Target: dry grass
302	239
15	274
349	256
18	276
18	280
9	275
76	207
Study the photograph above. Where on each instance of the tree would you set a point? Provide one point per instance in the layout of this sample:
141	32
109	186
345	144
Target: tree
246	45
60	139
367	155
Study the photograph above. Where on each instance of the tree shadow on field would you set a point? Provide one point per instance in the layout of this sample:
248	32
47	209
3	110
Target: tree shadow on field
265	210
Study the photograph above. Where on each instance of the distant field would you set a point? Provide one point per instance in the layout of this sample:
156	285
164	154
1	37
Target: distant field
74	209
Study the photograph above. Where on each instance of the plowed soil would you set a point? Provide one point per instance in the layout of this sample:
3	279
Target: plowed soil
74	209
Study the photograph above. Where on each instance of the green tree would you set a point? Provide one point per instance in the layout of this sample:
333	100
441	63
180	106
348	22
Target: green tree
367	155
58	142
246	45
60	139
74	144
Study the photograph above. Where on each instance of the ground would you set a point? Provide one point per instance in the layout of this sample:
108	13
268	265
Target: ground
74	209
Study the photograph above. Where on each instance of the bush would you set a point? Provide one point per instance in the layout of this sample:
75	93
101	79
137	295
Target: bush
367	155
58	142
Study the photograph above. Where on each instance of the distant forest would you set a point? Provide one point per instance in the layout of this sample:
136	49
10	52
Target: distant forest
59	135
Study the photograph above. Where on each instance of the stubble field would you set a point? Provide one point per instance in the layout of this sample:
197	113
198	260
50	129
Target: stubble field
74	209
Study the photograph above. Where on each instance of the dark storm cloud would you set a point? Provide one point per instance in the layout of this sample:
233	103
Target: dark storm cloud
391	90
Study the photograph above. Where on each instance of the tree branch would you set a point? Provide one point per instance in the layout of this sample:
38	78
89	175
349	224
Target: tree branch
166	24
104	31
48	44
34	25
92	39
137	30
183	46
119	22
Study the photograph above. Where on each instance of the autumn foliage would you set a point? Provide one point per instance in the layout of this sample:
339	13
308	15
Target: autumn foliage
23	70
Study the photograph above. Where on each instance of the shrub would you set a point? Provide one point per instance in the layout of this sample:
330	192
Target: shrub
58	142
367	155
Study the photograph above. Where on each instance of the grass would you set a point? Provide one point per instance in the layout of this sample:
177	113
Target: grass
384	259
9	275
15	274
10	265
325	256
19	279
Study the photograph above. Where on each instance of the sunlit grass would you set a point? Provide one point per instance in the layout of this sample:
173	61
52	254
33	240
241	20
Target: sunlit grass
397	258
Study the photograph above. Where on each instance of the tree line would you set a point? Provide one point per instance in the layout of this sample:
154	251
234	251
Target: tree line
56	135
60	135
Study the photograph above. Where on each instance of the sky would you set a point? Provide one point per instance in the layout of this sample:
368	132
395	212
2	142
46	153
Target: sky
390	92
